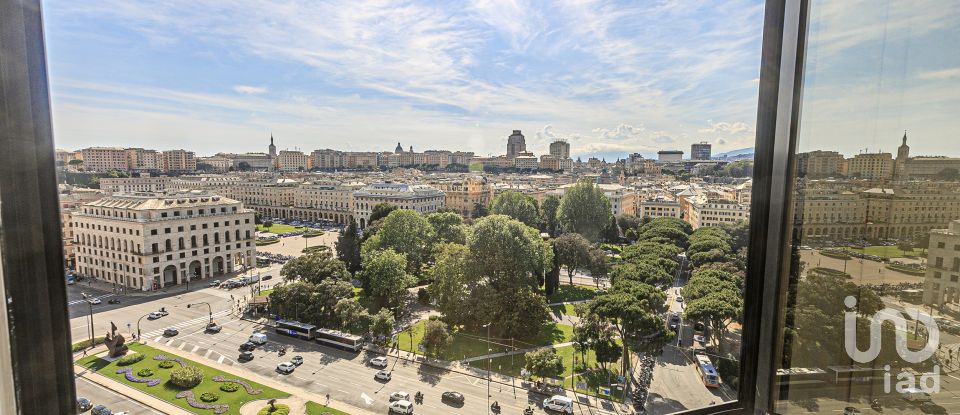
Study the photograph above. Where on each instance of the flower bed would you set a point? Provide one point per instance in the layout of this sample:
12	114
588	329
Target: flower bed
312	234
129	359
230	387
128	373
263	242
186	377
279	409
217	408
835	254
145	372
169	359
246	386
209	397
829	272
914	270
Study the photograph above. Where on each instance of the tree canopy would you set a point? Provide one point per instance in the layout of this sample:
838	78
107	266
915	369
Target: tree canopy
584	209
405	232
448	226
518	206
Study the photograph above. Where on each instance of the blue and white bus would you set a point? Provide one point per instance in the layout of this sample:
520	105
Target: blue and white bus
339	339
708	374
296	329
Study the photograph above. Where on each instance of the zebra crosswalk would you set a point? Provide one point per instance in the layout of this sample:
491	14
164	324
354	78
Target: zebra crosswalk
84	300
158	333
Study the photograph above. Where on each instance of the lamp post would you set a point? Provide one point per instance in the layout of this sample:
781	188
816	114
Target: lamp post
87	298
489	362
209	310
138	327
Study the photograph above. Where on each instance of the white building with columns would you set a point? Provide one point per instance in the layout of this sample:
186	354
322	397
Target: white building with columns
147	241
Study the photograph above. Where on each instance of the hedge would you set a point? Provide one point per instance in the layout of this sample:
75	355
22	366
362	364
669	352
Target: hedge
835	254
186	377
166	364
267	242
830	272
129	359
915	271
312	234
229	387
78	346
209	397
145	373
281	409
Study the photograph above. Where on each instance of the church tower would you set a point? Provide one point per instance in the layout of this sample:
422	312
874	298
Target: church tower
903	154
273	153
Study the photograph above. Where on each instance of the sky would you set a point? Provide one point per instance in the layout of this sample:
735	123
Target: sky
612	78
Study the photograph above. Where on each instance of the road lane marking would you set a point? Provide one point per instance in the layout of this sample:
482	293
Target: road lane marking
207	355
195	348
181	346
220	360
170	342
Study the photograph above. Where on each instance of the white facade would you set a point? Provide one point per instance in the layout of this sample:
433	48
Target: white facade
941	282
420	198
134	184
659	207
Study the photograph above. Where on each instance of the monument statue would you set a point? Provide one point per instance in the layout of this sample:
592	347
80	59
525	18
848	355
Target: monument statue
115	342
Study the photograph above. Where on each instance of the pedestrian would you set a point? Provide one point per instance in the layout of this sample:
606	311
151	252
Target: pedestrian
328	400
84	351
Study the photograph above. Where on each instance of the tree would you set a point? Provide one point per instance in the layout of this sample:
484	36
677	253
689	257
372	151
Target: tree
479	210
544	363
573	251
606	349
257	218
451	286
948	174
350	313
268	224
435	337
628	222
739	233
718	308
314	303
314	267
518	206
612	232
385	274
448	227
551	281
713	255
408	233
348	247
635	310
905	246
584	209
643	272
708	244
243	166
598	264
548	214
381	326
380	211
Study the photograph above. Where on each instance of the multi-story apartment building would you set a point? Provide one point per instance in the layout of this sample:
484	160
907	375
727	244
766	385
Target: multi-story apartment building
143	160
516	144
179	161
700	151
551	162
820	163
213	182
71	199
420	198
525	160
218	163
941	283
871	166
289	161
666	156
103	159
64	157
251	161
560	148
659	207
148	241
134	184
715	212
327	159
462	195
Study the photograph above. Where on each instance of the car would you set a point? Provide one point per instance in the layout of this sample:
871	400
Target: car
451	396
101	410
213	328
679	298
113	301
932	408
850	410
297	360
382	375
94	301
245	356
71	281
214	283
401	407
558	403
84	405
286	367
170	332
267	277
154	315
600	291
379	361
248	346
399	396
674	322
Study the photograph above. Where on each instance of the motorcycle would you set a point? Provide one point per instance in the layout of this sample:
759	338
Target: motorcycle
282	352
418	398
495	407
528	411
875	404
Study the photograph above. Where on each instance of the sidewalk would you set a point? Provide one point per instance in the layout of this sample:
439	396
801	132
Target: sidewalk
514	352
109	287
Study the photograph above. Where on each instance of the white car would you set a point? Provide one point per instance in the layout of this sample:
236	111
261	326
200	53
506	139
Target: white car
379	361
679	299
399	396
382	375
286	367
94	301
401	407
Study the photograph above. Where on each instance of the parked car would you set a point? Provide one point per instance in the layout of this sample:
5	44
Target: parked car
401	407
382	375
84	405
267	277
674	322
297	360
113	301
849	410
170	332
94	301
215	283
399	396
379	361
101	410
286	367
245	356
214	328
451	396
248	346
679	298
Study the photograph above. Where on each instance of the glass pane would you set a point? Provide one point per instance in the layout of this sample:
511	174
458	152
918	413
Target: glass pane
872	317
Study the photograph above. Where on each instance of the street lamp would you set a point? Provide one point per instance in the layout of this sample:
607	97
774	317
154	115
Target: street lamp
87	298
489	362
138	327
209	309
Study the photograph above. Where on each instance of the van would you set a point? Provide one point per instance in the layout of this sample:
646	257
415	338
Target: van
559	403
401	407
915	395
258	338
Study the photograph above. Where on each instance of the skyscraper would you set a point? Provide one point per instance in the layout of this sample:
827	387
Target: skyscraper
516	144
560	148
700	151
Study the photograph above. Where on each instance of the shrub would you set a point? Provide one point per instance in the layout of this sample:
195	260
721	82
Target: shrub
280	409
166	364
423	296
144	373
78	346
209	397
229	387
186	377
129	359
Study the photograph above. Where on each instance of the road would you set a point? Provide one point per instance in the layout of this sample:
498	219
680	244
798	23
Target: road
114	401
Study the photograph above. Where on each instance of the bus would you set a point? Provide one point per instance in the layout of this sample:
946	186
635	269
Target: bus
296	329
708	374
339	340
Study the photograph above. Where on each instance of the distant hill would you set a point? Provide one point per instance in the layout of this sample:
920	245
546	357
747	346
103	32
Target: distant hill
735	153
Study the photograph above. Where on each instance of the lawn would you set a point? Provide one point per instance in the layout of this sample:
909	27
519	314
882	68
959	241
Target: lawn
167	391
571	293
886	251
561	310
314	408
278	228
470	344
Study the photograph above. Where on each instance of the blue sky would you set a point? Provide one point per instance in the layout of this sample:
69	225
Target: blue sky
611	77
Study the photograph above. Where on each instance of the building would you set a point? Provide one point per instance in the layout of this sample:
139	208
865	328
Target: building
272	149
251	161
179	161
134	184
326	159
871	166
560	148
149	241
462	195
516	144
623	200
903	154
818	164
64	157
667	156
219	163
715	212
143	160
290	161
420	198
700	151
941	283
525	160
104	159
551	162
929	167
659	207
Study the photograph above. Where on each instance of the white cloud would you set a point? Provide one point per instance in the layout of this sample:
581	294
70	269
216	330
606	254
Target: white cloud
940	75
250	90
620	132
726	127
